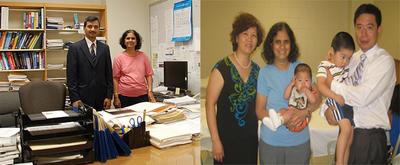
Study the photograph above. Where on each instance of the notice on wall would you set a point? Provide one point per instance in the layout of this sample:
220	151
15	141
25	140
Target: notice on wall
182	21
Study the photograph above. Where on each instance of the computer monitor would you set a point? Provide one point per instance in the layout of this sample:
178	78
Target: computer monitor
176	74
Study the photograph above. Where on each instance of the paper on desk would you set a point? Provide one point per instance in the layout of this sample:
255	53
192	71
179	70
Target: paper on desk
163	133
67	126
54	114
58	143
185	100
9	157
8	149
8	132
109	114
28	163
169	143
124	121
190	125
192	107
149	106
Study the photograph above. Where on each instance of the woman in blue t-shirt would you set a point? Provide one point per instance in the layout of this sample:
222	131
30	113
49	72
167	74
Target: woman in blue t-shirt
283	146
394	116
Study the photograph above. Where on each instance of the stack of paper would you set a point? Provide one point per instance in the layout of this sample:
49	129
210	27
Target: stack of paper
163	136
4	86
181	100
17	80
55	66
57	143
169	116
54	128
9	145
55	43
151	108
55	23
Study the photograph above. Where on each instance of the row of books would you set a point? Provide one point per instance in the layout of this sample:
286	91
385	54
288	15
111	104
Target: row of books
22	60
21	40
32	19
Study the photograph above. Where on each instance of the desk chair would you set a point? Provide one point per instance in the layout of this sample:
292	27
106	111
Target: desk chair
8	108
39	96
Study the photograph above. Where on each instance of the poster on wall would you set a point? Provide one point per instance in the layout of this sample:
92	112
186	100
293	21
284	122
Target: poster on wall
182	28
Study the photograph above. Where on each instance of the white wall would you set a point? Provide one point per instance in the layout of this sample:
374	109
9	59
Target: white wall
128	14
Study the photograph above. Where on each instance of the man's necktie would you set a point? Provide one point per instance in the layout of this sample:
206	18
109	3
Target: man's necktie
356	77
92	52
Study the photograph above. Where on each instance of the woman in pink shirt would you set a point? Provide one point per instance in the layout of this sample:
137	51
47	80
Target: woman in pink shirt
132	72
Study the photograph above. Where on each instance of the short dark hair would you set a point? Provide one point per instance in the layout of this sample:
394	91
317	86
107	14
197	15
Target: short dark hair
342	40
138	39
91	19
369	9
268	53
243	22
303	67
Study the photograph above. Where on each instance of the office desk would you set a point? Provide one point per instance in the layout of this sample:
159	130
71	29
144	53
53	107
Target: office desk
188	154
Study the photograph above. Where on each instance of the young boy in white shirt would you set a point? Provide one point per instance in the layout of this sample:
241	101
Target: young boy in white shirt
339	55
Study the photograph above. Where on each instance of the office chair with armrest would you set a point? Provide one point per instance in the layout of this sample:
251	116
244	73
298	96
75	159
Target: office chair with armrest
39	96
8	108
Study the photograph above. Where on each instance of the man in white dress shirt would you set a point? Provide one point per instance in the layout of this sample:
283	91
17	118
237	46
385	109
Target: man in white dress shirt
371	97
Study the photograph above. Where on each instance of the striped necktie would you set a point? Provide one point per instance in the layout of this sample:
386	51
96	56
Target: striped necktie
92	52
356	77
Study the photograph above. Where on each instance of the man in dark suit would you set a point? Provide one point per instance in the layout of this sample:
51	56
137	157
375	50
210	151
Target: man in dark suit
89	69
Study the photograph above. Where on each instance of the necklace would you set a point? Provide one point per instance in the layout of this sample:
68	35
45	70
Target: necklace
237	60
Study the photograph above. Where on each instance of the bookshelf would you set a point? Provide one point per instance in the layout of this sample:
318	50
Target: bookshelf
49	56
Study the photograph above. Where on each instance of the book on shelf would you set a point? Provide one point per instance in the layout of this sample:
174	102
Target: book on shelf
33	20
4	17
21	60
21	40
76	23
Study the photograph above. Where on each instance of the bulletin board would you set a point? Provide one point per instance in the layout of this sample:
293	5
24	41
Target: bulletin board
164	49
